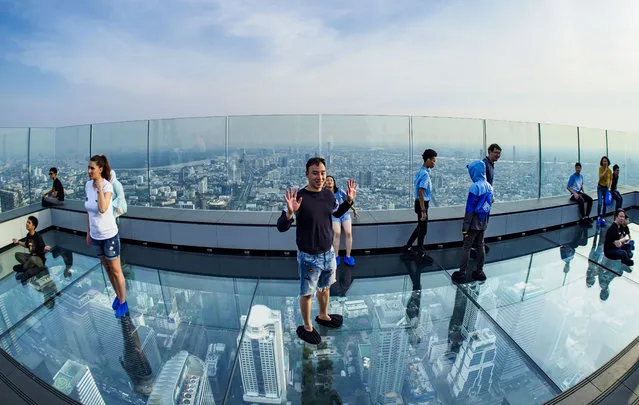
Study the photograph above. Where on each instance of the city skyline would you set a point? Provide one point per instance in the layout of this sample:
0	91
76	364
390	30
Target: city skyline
255	178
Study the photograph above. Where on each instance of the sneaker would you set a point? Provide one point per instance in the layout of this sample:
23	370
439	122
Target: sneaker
458	277
338	260
349	261
479	275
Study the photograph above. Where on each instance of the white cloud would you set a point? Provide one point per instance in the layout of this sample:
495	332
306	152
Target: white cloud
570	62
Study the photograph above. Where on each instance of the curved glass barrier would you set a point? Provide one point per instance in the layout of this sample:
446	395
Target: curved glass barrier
125	144
559	153
373	151
551	312
188	165
71	153
247	162
14	178
457	141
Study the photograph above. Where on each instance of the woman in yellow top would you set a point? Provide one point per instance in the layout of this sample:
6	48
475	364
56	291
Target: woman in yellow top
605	180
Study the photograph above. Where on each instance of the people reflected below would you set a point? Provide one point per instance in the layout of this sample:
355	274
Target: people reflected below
423	189
102	232
478	205
134	360
55	195
617	245
67	258
344	222
603	186
44	284
567	251
616	195
576	188
34	243
313	208
118	200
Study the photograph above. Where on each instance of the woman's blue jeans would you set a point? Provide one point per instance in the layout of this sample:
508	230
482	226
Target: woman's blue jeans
601	200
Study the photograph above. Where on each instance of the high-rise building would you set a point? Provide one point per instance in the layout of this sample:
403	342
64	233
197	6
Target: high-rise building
134	360
182	381
203	187
472	371
522	321
105	323
10	344
216	366
149	344
389	350
75	380
262	356
366	178
10	199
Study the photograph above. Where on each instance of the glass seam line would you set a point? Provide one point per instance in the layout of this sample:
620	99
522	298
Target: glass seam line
237	355
39	307
516	346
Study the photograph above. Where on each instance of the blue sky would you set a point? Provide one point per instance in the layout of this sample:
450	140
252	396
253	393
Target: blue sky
74	61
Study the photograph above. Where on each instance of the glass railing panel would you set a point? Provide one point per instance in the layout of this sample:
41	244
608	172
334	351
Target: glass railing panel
267	155
403	345
372	150
517	171
592	145
457	142
125	145
188	163
623	151
41	157
14	179
559	153
71	156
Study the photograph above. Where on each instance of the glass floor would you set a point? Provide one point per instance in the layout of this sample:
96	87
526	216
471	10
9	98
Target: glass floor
552	311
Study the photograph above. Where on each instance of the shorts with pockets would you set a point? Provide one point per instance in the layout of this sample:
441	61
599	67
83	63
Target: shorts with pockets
316	271
107	248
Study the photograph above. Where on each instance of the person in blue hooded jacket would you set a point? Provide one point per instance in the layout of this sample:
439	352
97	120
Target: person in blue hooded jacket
478	204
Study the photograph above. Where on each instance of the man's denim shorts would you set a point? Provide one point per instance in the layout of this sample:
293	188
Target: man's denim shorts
316	271
107	248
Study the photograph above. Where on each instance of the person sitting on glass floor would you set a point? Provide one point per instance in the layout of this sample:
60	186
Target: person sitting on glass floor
617	244
36	246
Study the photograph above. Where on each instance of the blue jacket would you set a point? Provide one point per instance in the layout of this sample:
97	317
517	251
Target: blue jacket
480	198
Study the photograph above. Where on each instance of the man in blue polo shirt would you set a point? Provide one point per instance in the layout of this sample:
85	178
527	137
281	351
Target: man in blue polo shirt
576	188
423	191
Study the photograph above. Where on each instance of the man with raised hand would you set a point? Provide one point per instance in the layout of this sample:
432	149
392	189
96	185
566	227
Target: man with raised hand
313	208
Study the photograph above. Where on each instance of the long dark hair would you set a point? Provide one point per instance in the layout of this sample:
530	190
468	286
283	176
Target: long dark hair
334	184
102	162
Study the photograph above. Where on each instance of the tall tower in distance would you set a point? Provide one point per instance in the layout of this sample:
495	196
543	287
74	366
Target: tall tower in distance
75	380
389	344
262	357
472	372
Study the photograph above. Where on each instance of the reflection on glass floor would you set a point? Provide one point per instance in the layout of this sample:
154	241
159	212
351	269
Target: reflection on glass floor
546	317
